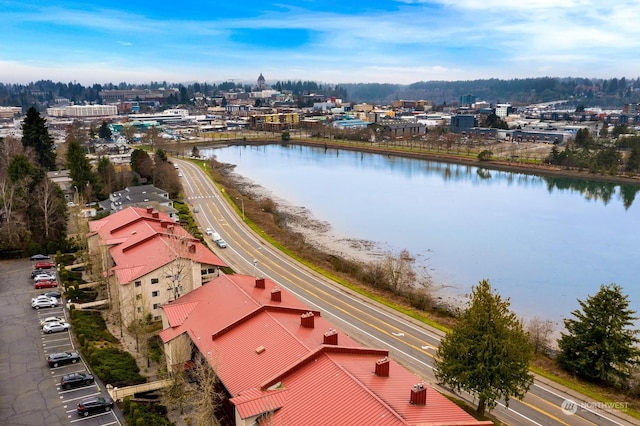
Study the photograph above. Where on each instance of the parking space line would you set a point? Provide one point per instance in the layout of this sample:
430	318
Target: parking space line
81	397
93	416
63	391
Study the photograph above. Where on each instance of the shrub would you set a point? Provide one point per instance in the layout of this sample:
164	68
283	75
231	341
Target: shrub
116	367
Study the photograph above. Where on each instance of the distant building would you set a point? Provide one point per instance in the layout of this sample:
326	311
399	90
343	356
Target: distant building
262	85
140	196
462	123
467	100
503	110
83	111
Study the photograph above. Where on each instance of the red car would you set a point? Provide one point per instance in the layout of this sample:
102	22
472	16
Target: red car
44	265
46	284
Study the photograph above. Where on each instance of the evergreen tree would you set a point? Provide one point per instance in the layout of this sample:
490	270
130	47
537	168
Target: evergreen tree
104	132
79	167
488	352
600	344
36	135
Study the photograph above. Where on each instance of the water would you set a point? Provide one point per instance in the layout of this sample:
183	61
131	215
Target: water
542	242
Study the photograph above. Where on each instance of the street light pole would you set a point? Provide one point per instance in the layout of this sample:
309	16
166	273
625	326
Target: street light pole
242	203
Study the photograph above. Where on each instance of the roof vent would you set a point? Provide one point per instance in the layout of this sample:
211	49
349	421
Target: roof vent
260	349
418	394
331	337
382	367
170	228
276	295
306	320
259	282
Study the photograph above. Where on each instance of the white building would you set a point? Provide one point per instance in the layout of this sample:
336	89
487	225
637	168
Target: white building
83	111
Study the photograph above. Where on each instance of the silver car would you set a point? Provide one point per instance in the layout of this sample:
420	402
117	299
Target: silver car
55	327
48	302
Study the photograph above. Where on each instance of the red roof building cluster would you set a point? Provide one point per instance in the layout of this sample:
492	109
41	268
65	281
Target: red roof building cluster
148	259
282	363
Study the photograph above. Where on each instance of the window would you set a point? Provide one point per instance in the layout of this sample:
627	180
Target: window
155	305
154	281
155	293
156	318
138	297
138	283
139	309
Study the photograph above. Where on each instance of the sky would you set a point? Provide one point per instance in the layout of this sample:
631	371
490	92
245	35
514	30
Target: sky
392	41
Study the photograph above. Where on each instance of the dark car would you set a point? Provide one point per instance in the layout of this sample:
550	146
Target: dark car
75	380
55	294
61	358
96	404
37	272
40	257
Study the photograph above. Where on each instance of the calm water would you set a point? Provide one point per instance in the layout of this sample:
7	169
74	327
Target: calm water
543	242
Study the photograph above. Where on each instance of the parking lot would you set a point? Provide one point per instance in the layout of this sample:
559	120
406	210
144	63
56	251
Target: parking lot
30	391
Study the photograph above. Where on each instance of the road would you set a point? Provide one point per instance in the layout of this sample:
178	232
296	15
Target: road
411	343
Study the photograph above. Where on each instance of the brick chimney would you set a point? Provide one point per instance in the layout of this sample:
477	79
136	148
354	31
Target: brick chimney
307	320
330	337
418	394
149	210
155	214
276	295
259	282
192	248
382	367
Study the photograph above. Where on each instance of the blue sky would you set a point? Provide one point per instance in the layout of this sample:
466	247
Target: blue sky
401	41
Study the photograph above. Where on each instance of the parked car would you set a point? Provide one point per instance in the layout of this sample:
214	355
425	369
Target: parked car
37	272
49	302
62	358
41	297
55	294
44	265
46	284
75	380
51	319
96	404
44	277
55	327
40	257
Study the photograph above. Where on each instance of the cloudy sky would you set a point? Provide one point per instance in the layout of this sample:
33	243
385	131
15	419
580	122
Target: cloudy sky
392	41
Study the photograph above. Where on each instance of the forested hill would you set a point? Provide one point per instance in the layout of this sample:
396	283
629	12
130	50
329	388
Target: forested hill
589	92
611	93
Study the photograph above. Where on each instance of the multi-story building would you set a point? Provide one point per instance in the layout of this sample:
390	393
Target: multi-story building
274	122
148	261
83	111
279	362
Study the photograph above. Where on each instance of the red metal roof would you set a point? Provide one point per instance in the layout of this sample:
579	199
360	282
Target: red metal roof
268	361
143	240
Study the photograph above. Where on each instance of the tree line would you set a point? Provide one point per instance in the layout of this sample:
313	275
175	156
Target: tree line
34	211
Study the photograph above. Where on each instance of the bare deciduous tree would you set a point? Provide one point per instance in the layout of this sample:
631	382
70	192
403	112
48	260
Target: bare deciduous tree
539	331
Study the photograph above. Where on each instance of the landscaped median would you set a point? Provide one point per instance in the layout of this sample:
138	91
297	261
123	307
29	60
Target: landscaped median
112	365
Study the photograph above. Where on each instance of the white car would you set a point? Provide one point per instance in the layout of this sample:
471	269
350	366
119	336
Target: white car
50	320
55	327
44	277
208	231
42	297
48	302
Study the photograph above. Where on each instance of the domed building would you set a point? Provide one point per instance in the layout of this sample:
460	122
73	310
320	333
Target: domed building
262	85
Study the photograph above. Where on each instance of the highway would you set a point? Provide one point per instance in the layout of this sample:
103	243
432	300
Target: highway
411	343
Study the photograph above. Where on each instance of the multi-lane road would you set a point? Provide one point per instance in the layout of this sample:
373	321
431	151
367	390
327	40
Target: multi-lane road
411	343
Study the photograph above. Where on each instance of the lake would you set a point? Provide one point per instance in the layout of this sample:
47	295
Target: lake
543	242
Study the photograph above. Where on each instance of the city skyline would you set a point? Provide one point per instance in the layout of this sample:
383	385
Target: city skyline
402	41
